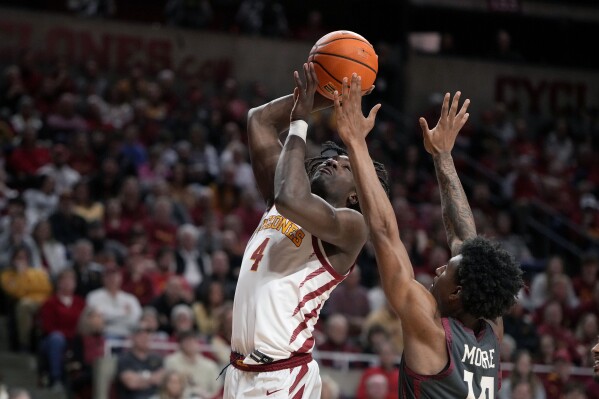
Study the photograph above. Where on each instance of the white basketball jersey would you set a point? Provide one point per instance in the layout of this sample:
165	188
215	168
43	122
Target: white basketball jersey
285	279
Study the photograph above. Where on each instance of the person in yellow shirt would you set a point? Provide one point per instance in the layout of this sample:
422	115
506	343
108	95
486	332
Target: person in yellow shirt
28	288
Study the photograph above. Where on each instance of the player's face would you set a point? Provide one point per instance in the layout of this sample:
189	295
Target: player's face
595	352
444	283
335	175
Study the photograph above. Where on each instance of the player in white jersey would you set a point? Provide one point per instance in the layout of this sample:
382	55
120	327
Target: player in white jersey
305	245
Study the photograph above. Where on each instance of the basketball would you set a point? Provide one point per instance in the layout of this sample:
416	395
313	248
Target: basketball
339	54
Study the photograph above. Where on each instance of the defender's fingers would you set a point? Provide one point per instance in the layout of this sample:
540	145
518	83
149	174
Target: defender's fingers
464	108
356	85
313	74
373	112
424	125
337	102
445	106
454	104
463	121
345	90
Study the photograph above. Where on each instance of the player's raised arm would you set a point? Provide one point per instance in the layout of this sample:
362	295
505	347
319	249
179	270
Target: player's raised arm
439	141
332	222
265	123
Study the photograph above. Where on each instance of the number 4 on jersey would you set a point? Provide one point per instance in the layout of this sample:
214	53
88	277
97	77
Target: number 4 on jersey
258	254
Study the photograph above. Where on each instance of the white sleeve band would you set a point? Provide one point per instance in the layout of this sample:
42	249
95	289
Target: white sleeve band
299	128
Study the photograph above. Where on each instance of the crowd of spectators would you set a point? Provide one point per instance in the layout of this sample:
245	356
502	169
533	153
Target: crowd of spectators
126	201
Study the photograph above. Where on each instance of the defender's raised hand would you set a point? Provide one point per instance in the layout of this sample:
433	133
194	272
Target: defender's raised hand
351	123
303	94
442	137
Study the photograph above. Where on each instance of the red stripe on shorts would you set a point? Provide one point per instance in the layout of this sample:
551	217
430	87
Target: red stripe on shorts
310	276
302	372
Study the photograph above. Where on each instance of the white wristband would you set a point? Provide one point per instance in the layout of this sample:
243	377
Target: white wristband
299	128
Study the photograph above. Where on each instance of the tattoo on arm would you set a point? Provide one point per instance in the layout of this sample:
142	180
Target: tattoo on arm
457	215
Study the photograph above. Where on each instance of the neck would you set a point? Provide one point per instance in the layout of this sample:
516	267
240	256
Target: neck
139	353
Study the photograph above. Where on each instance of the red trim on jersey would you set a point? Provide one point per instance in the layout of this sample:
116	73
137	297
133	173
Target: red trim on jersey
325	262
296	360
304	324
306	346
311	295
310	276
302	372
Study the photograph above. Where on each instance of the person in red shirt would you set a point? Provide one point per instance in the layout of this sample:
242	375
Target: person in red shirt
59	316
387	368
28	157
584	283
160	228
136	280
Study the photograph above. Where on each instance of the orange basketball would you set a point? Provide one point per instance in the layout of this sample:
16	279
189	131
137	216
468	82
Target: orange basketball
339	54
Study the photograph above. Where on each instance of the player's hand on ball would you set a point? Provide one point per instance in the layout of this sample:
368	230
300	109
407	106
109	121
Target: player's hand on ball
442	137
303	94
351	123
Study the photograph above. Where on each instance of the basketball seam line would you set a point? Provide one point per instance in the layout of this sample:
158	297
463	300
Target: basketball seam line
345	38
341	56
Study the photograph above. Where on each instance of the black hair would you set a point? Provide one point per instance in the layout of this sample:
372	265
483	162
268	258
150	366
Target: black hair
490	278
330	149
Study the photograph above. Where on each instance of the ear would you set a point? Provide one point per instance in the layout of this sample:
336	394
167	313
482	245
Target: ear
353	198
456	294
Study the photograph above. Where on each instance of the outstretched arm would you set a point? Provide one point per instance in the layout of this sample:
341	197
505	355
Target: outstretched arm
457	216
265	123
342	227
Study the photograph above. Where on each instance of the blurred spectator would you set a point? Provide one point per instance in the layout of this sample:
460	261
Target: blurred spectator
165	269
248	213
89	273
139	372
149	317
207	309
336	339
591	306
26	118
29	156
586	333
221	272
584	283
387	318
556	381
540	286
520	325
175	293
521	390
42	200
511	242
15	236
64	176
84	205
190	262
103	246
27	288
119	309
507	348
551	324
136	280
173	386
83	159
522	372
330	388
351	300
575	390
160	228
200	372
182	321
203	157
116	226
88	346
66	225
376	387
106	184
46	252
133	209
65	118
386	368
59	317
221	340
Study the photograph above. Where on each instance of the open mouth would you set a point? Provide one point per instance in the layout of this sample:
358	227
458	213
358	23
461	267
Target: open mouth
326	170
